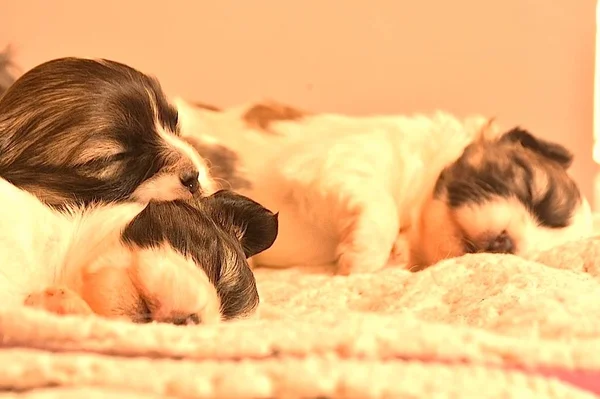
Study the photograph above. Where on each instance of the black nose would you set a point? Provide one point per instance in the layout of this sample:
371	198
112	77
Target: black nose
502	244
190	180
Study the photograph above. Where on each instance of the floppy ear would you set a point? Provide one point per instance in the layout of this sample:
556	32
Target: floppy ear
257	227
552	151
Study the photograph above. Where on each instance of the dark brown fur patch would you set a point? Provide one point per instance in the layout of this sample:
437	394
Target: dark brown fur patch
88	134
517	165
261	115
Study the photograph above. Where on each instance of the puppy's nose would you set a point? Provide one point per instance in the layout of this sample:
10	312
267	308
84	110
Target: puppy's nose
502	244
187	320
190	180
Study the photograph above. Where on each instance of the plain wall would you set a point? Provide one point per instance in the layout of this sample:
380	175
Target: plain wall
527	62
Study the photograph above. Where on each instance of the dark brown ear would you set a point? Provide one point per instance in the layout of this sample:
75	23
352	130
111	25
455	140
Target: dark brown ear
258	226
552	151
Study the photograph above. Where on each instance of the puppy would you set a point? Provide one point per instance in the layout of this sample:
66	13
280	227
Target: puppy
81	130
359	191
181	262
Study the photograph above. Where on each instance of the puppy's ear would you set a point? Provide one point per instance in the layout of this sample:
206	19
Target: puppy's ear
256	226
552	151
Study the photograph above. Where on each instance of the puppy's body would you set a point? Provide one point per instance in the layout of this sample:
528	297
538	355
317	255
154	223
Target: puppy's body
357	189
41	247
140	262
80	130
86	137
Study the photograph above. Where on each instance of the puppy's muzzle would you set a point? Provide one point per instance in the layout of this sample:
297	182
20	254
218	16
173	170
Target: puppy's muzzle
190	180
500	244
188	320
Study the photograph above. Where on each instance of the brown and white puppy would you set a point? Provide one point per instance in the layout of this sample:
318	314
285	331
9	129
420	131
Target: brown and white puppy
511	194
358	190
85	130
181	262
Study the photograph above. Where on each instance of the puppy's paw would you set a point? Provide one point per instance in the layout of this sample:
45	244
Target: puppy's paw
58	300
367	236
368	261
400	251
351	263
364	251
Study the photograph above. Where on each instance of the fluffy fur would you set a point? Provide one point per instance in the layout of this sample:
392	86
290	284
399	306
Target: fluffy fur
84	130
180	262
357	190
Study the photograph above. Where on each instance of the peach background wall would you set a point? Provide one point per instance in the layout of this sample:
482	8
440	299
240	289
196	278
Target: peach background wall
528	62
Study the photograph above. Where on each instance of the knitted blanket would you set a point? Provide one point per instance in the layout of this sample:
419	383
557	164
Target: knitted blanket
476	326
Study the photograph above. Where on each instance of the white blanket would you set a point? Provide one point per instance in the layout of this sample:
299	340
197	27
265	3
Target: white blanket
491	325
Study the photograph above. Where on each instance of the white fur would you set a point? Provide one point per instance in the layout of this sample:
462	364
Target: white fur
509	215
41	248
167	186
352	189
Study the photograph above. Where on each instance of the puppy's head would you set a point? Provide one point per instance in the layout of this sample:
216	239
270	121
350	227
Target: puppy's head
191	258
510	194
95	130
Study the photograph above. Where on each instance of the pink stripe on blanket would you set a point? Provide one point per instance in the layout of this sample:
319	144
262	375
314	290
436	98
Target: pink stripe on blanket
583	379
587	380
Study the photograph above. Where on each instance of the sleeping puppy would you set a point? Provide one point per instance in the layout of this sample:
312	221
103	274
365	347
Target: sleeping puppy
181	262
86	130
361	190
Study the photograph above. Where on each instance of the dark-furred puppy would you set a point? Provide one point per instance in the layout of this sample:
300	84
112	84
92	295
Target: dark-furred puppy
82	130
181	262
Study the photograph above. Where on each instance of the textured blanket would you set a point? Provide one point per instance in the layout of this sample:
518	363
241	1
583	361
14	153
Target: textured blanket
477	326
